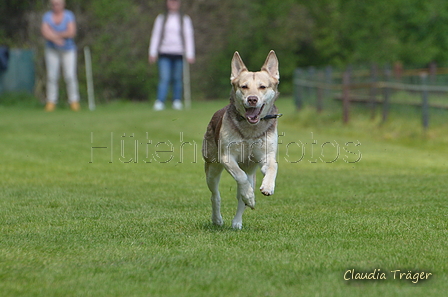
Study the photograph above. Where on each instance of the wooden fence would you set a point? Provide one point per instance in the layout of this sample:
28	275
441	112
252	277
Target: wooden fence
373	86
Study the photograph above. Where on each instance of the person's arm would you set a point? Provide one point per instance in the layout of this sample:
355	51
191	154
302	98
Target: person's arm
70	32
189	39
50	35
155	39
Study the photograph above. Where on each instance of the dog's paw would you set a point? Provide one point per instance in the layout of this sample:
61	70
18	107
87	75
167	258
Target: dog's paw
267	190
249	198
249	201
217	220
237	225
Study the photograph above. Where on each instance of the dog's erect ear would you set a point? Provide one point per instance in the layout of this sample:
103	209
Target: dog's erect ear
237	66
271	65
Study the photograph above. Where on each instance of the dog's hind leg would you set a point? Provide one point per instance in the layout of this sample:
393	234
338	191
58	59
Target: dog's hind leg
213	174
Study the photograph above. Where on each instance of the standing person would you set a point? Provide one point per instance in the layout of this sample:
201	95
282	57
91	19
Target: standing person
59	29
172	40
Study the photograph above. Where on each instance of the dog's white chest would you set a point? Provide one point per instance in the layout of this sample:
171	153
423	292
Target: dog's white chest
243	150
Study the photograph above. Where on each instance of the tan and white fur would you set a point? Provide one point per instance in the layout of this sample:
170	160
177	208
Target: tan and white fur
243	136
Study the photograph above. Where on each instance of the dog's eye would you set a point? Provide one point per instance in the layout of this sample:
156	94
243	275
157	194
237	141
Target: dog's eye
262	87
244	87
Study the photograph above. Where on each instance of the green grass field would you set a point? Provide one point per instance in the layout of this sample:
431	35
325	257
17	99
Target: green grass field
114	203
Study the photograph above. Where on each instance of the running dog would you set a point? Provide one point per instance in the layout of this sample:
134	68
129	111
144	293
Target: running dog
243	136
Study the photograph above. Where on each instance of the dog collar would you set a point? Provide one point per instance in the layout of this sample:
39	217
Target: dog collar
272	116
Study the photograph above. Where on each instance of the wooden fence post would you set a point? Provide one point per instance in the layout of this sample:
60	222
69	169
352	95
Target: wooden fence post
425	103
398	71
386	94
346	97
328	82
373	89
319	92
310	78
298	89
433	72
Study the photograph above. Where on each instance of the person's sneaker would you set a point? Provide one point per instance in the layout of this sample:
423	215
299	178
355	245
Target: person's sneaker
75	106
177	105
50	106
159	105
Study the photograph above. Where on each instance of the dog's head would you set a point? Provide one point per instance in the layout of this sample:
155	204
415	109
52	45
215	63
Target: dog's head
254	92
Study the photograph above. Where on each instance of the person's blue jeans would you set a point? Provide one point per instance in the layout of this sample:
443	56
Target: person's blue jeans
170	73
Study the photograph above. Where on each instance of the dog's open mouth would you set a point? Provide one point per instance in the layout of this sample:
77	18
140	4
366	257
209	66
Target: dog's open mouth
253	114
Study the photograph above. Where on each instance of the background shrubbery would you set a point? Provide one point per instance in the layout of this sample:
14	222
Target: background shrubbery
337	32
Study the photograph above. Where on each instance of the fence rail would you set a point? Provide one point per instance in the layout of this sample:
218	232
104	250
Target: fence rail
378	85
372	86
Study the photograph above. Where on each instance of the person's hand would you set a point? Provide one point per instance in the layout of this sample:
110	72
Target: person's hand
52	36
152	59
191	60
59	41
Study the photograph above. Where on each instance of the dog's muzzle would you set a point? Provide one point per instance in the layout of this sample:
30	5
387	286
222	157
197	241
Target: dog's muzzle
253	114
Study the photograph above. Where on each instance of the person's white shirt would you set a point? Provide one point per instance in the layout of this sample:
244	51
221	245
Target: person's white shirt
172	42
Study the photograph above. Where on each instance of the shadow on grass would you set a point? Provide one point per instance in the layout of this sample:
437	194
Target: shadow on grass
212	228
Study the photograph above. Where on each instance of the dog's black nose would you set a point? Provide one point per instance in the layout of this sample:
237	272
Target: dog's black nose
252	100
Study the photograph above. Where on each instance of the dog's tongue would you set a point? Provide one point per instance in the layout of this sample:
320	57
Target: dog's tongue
252	114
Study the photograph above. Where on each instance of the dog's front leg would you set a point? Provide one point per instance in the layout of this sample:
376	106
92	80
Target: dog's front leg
237	222
245	189
269	170
268	184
